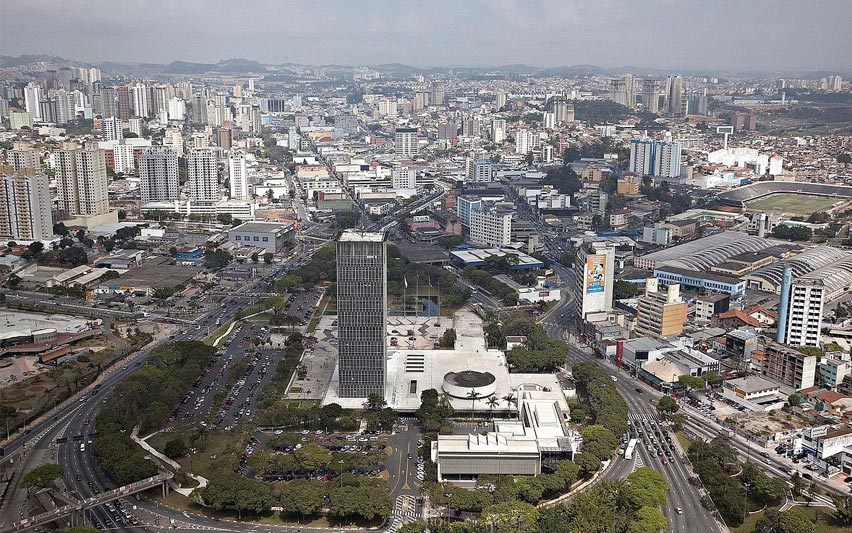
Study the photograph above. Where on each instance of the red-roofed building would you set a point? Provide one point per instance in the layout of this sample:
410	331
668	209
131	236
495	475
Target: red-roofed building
736	318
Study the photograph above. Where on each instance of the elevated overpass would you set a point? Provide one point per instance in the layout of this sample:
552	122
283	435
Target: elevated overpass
76	508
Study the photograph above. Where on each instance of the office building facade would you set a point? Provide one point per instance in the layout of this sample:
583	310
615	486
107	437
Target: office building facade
361	313
490	228
405	142
661	313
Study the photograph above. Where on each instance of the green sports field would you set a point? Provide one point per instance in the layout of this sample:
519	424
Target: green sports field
801	204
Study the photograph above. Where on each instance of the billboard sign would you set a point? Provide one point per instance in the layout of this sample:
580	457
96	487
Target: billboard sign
595	274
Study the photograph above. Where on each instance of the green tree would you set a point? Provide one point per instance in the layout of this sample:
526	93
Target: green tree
175	448
845	158
691	382
42	475
843	504
375	402
648	520
448	339
312	457
233	491
267	258
413	527
645	488
792	521
667	405
794	399
302	497
588	462
510	516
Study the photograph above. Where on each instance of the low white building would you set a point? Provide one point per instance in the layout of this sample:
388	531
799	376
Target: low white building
754	393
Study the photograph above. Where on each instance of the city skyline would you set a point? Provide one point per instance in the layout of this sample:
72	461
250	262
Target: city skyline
682	35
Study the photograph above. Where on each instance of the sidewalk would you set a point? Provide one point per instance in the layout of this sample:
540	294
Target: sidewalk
134	436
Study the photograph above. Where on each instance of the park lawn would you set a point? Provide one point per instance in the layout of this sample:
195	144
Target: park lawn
820	516
218	444
802	204
685	442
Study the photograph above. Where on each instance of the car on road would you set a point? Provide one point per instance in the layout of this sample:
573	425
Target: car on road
679	511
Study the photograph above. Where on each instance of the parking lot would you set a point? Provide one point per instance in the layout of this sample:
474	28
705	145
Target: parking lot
239	372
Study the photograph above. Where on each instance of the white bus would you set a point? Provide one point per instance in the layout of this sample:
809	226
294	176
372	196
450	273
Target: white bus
631	446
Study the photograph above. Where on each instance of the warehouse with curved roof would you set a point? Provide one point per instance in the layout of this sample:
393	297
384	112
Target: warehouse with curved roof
701	254
768	278
836	277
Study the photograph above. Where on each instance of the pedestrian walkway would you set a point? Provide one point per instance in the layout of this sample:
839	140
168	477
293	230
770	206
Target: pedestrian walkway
404	511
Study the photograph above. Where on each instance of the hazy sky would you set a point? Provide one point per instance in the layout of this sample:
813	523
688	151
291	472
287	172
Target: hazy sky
689	34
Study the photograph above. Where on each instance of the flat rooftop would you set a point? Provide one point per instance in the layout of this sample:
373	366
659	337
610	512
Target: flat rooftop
353	235
158	272
261	227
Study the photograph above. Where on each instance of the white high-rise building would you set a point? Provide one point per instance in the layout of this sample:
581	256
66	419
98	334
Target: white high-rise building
621	90
65	107
176	109
158	175
111	129
139	100
32	100
489	228
498	130
649	157
405	142
804	313
238	176
81	180
404	178
525	141
595	266
202	175
25	207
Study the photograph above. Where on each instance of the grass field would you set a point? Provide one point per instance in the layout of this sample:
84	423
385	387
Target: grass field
801	204
822	517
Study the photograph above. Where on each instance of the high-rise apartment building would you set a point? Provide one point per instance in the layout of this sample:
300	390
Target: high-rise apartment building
81	180
595	266
158	175
32	100
804	299
238	176
65	106
525	141
651	95
661	313
25	205
20	159
621	90
361	313
674	95
650	157
111	129
124	109
498	130
448	133
202	175
139	100
482	171
405	142
437	95
500	100
108	102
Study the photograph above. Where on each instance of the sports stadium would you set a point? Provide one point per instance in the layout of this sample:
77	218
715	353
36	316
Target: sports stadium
788	196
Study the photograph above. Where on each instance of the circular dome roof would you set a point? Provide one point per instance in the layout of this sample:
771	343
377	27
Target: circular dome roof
459	384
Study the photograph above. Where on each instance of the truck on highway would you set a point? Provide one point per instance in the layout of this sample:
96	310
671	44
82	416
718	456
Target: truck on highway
631	447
